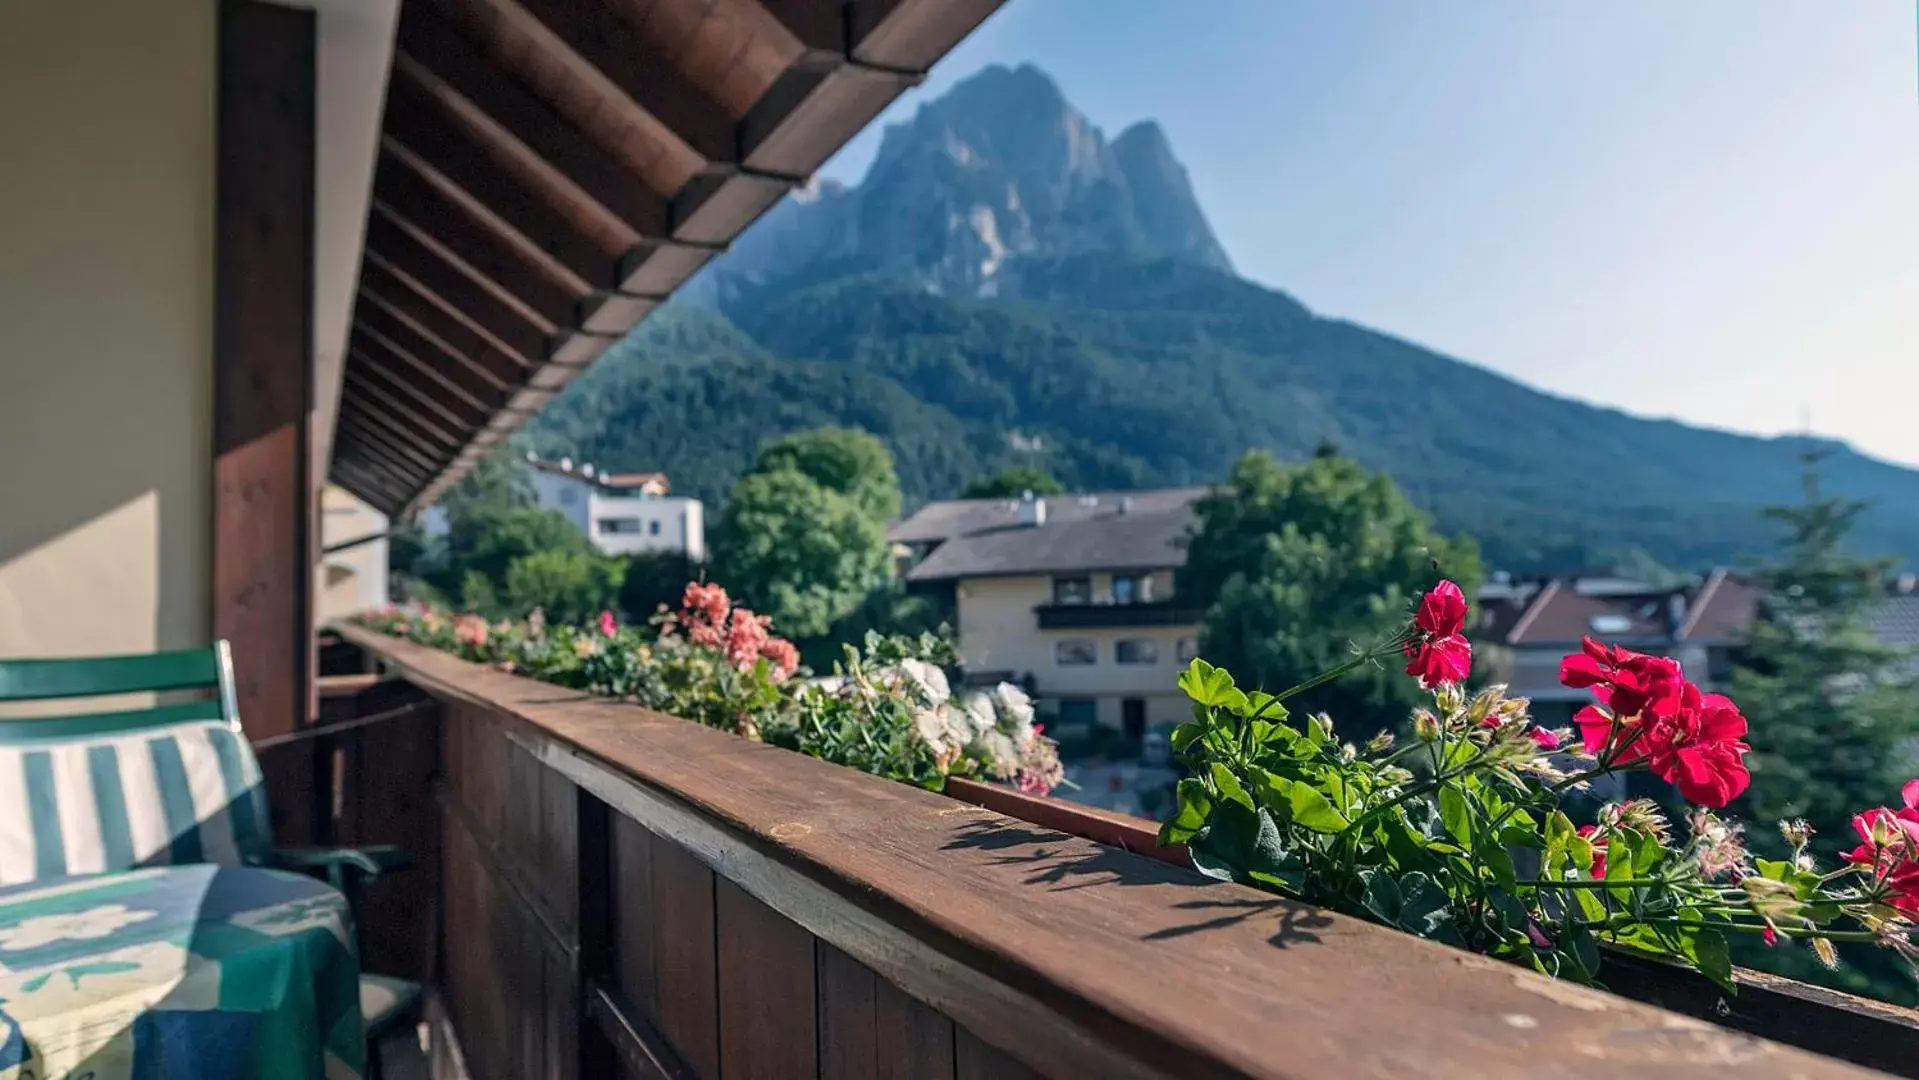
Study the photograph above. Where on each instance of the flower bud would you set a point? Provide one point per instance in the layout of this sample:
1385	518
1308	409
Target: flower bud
1425	726
1325	723
1347	753
1450	698
1380	743
1796	832
1827	952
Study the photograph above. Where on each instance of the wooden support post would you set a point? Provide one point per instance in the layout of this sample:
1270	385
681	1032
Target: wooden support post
265	506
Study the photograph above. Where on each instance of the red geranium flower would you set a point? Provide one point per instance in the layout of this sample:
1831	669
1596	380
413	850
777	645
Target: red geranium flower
1591	833
1891	848
1438	652
608	624
1699	748
1628	683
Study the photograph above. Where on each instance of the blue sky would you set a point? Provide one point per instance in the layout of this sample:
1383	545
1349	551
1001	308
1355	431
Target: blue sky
1704	209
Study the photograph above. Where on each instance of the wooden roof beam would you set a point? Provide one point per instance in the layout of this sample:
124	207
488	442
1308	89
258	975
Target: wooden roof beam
397	322
397	436
450	68
380	449
373	383
382	286
428	275
456	427
532	209
462	235
361	485
381	350
545	61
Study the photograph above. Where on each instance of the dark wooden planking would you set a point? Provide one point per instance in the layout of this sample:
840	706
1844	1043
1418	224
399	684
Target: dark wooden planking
634	1042
263	494
398	761
976	1060
431	276
438	54
821	28
556	863
540	218
767	1019
848	1041
464	238
614	46
631	916
1078	959
870	1030
685	960
914	1040
372	454
357	456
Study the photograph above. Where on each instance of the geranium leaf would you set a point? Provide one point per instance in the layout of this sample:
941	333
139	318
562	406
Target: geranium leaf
1184	735
1195	807
1229	786
1457	816
1311	810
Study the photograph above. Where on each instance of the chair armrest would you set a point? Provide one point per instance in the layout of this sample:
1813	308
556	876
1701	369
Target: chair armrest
366	863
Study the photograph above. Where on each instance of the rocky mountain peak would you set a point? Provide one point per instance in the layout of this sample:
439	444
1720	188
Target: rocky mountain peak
1000	167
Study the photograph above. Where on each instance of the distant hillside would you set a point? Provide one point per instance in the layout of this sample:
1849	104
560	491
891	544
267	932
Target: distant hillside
1007	286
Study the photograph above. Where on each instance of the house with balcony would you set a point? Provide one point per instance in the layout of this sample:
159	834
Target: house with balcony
1070	595
619	513
253	249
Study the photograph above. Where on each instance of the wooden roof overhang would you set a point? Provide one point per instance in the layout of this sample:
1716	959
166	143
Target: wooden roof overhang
550	170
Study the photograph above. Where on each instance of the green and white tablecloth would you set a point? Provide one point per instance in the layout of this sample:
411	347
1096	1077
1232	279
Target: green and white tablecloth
181	973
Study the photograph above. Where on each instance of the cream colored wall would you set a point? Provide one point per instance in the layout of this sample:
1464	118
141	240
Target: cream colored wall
353	580
998	631
106	324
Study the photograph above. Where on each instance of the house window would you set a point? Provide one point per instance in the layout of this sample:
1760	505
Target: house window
619	525
1077	715
1076	652
1072	590
1132	588
653	528
1187	648
1136	652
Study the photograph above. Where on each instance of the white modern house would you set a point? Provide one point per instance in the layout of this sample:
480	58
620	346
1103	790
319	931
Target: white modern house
621	513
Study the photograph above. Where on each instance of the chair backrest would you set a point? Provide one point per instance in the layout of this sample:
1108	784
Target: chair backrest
104	791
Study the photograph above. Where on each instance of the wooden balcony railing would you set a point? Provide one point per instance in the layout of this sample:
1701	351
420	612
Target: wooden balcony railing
625	894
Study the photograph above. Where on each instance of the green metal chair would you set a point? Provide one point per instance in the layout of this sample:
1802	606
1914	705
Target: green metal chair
165	784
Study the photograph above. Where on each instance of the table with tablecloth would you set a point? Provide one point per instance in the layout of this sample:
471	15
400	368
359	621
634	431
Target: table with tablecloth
178	973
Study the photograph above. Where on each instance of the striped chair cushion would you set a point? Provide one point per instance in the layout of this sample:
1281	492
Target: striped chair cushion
183	793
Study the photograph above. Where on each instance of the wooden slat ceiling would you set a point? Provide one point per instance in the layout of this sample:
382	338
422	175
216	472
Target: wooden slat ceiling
550	170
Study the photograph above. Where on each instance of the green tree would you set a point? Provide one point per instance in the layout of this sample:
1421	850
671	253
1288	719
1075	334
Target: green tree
653	578
844	460
483	541
799	551
1013	482
1293	563
569	586
1831	709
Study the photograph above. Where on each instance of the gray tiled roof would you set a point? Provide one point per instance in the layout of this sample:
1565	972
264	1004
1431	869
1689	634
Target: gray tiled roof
1147	535
939	521
1897	624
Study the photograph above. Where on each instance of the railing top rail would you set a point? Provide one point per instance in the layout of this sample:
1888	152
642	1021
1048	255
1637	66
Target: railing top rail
1077	958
